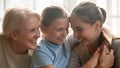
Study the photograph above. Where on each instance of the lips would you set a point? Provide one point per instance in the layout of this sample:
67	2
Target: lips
34	42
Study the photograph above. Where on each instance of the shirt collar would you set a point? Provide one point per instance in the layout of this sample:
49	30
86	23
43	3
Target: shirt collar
52	44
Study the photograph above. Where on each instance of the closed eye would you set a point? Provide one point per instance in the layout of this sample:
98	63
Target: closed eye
79	29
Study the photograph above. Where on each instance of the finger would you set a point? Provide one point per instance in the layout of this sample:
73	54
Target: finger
98	49
104	50
97	52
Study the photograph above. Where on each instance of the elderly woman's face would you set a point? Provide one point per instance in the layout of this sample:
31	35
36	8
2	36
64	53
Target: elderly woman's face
84	32
29	33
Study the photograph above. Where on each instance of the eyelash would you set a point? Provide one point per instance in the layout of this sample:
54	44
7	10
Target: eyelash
58	29
61	29
80	30
34	29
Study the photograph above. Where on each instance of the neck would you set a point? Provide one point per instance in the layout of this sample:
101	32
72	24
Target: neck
96	43
18	49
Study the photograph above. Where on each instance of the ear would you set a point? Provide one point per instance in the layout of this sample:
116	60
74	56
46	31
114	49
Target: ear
42	28
97	25
13	35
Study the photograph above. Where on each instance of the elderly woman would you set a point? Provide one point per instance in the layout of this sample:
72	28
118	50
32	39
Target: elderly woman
20	34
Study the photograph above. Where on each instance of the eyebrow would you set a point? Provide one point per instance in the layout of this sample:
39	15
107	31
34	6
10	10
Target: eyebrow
78	27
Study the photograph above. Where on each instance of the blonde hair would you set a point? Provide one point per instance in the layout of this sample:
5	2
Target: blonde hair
15	17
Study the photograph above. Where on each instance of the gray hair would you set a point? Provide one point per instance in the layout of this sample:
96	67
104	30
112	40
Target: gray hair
15	17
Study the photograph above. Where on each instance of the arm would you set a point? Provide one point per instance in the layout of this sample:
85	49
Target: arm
74	60
116	48
93	62
49	66
71	40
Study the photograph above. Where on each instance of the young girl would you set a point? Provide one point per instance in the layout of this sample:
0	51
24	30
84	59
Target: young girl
54	48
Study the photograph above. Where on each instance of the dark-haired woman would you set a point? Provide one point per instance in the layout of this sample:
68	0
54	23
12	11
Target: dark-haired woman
97	47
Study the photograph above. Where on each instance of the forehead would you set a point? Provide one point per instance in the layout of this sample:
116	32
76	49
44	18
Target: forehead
60	22
76	21
31	22
75	18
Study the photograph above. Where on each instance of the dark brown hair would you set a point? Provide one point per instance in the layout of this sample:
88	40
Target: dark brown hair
52	13
89	12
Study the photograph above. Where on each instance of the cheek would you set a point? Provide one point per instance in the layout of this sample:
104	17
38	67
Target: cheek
85	35
29	37
58	34
53	35
90	35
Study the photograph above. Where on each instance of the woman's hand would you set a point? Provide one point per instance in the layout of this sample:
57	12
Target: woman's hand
106	59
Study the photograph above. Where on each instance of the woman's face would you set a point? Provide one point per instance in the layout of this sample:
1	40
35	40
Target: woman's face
57	31
29	33
84	32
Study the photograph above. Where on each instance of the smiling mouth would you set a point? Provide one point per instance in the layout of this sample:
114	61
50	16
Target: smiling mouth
34	42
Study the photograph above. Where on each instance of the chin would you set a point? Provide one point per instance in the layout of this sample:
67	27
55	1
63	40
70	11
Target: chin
59	43
33	47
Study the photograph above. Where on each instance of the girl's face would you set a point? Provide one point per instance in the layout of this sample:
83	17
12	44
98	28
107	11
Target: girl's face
84	32
57	31
28	34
